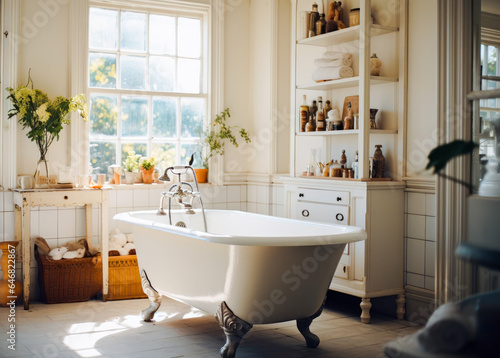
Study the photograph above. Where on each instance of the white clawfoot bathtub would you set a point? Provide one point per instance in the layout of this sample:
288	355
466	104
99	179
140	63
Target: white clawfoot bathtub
247	269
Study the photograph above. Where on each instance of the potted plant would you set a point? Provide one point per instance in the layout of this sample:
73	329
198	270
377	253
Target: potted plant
147	166
44	119
131	165
213	140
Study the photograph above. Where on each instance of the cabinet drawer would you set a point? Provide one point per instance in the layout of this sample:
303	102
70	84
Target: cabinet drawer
323	196
342	271
336	214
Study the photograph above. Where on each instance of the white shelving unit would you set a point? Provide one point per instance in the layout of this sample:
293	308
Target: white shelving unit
373	268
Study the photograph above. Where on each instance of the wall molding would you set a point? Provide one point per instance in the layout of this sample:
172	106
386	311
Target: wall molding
426	184
10	13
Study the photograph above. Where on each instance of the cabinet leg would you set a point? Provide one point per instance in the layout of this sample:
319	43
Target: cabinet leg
365	305
400	302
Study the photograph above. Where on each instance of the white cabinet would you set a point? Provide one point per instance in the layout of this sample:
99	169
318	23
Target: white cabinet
374	267
367	269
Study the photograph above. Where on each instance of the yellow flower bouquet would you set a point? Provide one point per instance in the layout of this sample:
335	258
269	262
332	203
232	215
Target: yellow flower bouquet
44	118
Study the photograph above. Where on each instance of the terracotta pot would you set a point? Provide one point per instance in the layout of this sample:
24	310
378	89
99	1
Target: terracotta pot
201	175
147	175
8	258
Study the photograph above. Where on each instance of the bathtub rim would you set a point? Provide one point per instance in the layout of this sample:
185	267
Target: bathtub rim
352	233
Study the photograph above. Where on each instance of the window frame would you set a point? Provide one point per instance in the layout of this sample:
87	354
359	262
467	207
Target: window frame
79	51
177	140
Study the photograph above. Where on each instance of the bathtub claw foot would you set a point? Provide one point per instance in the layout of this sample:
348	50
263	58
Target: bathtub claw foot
154	297
234	328
303	325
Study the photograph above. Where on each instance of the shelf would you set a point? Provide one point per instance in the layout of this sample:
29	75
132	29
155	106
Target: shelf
345	132
345	35
346	82
344	179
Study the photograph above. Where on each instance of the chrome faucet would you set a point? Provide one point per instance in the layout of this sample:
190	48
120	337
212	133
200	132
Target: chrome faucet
183	193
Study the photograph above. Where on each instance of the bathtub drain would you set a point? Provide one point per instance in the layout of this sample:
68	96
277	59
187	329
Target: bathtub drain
181	224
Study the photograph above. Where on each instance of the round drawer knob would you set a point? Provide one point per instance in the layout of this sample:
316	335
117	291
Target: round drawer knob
305	213
65	197
339	198
339	217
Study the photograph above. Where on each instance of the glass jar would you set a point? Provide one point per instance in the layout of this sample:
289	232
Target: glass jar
354	17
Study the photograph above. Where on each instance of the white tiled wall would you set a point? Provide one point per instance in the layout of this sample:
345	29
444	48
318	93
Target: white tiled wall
265	199
420	239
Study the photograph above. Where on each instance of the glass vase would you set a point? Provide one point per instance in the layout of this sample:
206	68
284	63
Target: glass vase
41	176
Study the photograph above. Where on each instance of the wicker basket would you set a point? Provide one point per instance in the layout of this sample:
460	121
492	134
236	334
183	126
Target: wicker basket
124	278
69	280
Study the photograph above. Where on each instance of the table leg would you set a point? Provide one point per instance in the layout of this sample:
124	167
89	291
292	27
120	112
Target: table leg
88	225
104	244
26	249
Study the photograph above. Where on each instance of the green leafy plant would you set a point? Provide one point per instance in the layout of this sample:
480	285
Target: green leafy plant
147	163
213	139
42	117
131	164
441	155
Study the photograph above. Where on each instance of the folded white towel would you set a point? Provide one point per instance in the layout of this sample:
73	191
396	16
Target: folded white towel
346	57
331	73
323	62
448	330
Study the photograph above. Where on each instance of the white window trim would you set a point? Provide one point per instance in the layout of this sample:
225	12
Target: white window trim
8	130
79	66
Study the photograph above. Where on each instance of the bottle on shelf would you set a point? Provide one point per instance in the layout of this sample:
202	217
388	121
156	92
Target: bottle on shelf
320	117
348	120
313	17
321	25
328	108
304	114
343	159
379	162
311	126
355	166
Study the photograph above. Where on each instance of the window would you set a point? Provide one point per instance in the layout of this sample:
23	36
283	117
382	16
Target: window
489	108
147	84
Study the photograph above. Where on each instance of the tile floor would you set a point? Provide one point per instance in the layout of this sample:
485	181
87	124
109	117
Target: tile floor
114	329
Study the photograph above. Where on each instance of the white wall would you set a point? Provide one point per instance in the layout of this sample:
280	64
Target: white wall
44	48
421	129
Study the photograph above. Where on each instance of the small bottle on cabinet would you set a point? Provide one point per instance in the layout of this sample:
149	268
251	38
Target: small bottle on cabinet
320	116
304	114
321	25
355	166
313	17
328	108
311	125
348	120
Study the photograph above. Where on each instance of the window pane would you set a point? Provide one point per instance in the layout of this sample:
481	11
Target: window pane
187	149
133	31
103	109
164	117
162	35
189	35
192	111
102	155
161	73
492	61
138	148
102	70
133	72
103	31
188	75
134	116
164	153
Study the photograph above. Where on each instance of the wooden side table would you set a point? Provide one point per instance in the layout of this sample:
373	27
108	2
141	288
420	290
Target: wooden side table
24	200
